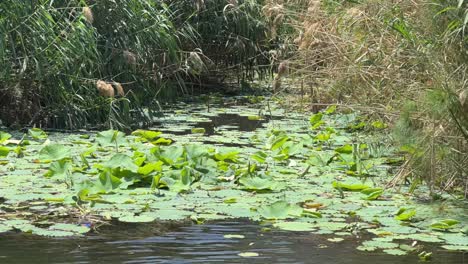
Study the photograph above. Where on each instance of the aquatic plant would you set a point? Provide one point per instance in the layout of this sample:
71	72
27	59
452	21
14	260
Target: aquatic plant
272	175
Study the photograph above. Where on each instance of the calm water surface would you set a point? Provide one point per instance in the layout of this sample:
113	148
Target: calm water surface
198	244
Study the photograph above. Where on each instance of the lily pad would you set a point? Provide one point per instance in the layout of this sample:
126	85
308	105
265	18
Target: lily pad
280	210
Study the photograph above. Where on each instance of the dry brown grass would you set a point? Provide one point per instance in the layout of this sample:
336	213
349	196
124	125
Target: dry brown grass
105	89
376	56
119	88
88	14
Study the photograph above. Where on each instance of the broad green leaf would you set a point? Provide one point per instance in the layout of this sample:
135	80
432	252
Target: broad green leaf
121	161
150	167
60	169
316	120
230	200
405	214
254	118
230	156
276	142
379	125
137	218
52	233
445	224
86	195
346	149
4	136
37	133
55	152
175	185
107	182
195	151
349	187
258	184
146	134
4	151
372	193
161	141
280	210
259	156
198	130
330	110
323	137
111	138
171	154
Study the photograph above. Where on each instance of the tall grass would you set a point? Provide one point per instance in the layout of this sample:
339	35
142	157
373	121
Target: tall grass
52	54
233	37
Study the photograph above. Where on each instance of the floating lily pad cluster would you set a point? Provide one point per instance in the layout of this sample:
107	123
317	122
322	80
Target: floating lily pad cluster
324	174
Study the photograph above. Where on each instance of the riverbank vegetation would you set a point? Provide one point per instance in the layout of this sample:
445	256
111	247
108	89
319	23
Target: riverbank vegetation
371	81
404	61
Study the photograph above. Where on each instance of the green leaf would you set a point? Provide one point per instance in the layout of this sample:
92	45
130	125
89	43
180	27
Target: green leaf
59	169
346	149
4	136
150	167
254	118
198	130
111	138
121	161
330	110
258	184
86	195
4	151
37	133
260	156
146	134
372	193
171	154
379	125
349	187
223	156
405	214
230	200
137	219
175	185
280	210
162	141
107	182
444	224
316	120
323	137
276	142
55	152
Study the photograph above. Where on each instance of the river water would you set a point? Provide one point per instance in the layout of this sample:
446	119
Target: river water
198	244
